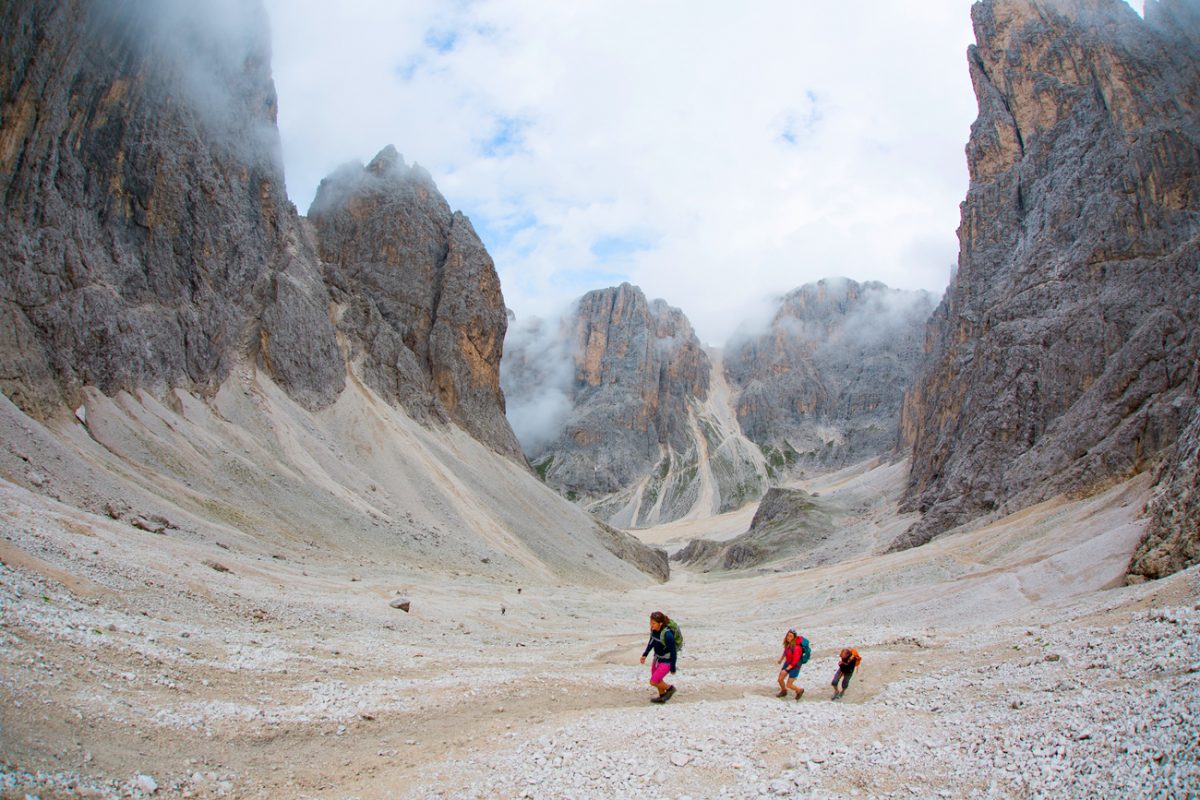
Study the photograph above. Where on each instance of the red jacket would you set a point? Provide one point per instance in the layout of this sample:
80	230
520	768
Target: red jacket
791	655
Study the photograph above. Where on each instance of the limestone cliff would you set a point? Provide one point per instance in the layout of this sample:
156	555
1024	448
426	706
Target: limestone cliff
1172	538
822	386
147	239
417	296
639	442
1060	358
148	242
218	351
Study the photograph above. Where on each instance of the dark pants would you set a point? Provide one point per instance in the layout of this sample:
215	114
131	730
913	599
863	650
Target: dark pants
844	673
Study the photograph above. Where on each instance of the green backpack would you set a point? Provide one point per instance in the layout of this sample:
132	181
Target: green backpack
674	626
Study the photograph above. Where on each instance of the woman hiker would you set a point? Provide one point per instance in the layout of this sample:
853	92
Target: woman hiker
791	665
847	661
662	642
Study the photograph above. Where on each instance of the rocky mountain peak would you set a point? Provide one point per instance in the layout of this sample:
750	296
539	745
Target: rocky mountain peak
613	404
147	240
418	295
1060	357
822	384
148	243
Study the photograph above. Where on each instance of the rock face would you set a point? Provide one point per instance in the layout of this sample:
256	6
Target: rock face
1172	539
638	443
217	350
148	242
823	386
1060	357
417	295
788	522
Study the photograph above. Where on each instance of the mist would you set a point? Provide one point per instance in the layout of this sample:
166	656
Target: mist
217	54
537	374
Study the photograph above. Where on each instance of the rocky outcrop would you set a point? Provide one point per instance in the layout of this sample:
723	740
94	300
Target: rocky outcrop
1172	538
787	524
1059	360
147	240
635	367
148	243
636	440
417	296
823	386
632	550
218	351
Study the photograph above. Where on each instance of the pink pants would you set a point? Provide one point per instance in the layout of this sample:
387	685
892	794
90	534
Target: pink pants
659	671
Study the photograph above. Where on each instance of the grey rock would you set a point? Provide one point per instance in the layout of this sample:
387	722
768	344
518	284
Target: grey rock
1060	359
148	243
1172	540
823	385
634	436
626	547
151	522
788	523
418	295
402	603
147	237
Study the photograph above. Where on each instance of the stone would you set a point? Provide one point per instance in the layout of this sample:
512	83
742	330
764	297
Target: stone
680	759
422	303
402	603
1061	359
632	372
176	252
152	523
822	387
1172	540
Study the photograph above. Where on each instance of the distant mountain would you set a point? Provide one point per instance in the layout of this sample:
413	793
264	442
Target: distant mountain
156	282
640	431
822	385
621	409
1063	356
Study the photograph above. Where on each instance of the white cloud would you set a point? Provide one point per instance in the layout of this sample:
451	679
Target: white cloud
711	153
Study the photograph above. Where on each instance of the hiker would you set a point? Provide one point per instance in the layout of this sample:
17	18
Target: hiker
847	661
662	642
793	652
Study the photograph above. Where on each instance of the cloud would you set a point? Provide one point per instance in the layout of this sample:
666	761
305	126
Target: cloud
537	374
713	154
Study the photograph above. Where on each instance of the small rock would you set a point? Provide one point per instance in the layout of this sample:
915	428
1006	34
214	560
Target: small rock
217	565
151	524
147	784
402	603
680	759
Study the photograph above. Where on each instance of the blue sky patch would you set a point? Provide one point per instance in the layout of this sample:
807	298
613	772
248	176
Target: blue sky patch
617	248
507	138
442	41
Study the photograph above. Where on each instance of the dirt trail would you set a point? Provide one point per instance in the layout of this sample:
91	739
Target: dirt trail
295	679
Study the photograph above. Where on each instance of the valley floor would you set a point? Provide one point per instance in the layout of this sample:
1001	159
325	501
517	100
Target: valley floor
139	665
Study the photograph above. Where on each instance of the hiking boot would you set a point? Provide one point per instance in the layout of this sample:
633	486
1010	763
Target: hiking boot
658	699
667	694
782	693
799	694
